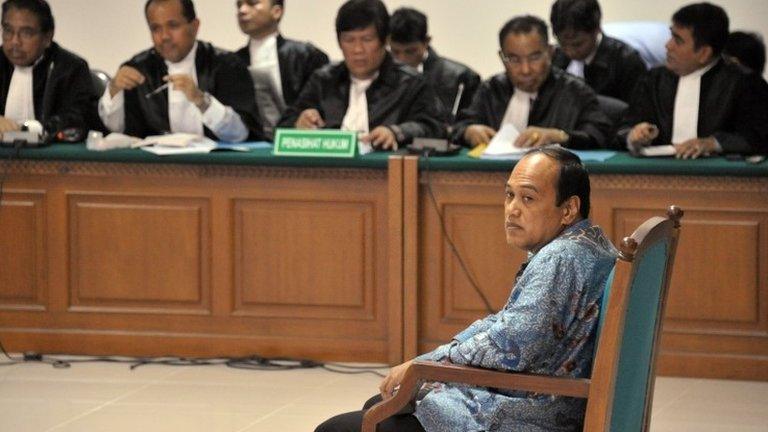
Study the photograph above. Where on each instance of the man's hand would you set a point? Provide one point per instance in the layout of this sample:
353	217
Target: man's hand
382	138
185	84
309	119
391	382
477	134
695	147
126	78
8	125
642	134
534	136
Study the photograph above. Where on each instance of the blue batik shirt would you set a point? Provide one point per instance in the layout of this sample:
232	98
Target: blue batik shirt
546	327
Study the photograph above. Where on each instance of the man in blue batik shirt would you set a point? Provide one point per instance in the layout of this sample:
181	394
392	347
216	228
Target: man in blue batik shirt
547	325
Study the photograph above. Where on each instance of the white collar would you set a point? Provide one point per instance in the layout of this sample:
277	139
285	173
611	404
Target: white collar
187	62
268	40
364	82
531	96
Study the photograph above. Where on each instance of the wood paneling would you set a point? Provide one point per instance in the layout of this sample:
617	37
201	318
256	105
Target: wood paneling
23	271
197	260
138	253
283	248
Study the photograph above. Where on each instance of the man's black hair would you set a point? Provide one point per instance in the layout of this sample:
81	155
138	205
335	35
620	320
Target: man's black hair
359	14
187	8
39	8
748	48
524	24
572	179
408	25
575	15
708	23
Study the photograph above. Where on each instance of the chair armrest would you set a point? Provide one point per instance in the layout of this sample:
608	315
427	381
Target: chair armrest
419	372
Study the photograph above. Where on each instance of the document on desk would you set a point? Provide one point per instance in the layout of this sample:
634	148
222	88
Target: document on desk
176	143
657	151
502	146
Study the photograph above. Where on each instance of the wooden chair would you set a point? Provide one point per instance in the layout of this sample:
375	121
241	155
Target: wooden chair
620	391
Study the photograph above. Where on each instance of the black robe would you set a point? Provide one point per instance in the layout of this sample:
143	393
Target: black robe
614	71
296	60
399	98
63	92
446	75
732	108
219	72
563	102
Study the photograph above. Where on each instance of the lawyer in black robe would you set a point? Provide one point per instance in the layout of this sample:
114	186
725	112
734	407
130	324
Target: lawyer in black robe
613	71
63	92
563	102
730	108
296	60
219	72
398	98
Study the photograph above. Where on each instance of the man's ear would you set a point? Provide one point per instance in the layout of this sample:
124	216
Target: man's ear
704	54
277	12
571	210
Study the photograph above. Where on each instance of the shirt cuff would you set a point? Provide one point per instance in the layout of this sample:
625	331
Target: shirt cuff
214	116
110	104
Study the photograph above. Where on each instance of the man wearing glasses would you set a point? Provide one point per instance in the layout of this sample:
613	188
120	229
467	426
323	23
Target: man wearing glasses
546	105
182	84
39	80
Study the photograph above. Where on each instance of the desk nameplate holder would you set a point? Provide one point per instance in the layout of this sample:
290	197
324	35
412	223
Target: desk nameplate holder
315	143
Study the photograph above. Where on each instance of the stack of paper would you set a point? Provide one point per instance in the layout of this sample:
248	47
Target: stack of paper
656	151
176	143
502	146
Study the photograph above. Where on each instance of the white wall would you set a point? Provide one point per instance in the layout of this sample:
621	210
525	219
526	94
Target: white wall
108	32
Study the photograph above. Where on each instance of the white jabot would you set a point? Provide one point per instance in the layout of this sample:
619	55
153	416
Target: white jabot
420	67
264	57
576	67
20	103
685	117
518	109
183	115
356	117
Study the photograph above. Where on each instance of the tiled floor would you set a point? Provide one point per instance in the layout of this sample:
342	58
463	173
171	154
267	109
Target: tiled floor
110	397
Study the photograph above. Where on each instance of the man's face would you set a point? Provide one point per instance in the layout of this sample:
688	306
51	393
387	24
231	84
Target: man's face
172	35
363	51
23	41
682	55
527	60
531	218
577	45
410	53
258	17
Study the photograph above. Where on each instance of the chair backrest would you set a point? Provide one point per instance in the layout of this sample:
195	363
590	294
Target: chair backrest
100	81
621	389
647	37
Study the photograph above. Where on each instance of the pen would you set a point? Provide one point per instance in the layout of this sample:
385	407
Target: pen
456	101
157	90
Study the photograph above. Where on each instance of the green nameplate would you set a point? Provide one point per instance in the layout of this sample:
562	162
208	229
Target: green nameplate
315	143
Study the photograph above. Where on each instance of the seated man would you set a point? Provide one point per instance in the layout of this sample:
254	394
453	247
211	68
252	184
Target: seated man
547	326
697	102
210	91
39	80
546	105
388	104
409	41
608	65
280	67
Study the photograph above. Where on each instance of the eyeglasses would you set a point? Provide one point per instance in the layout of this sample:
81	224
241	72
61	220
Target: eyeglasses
24	33
517	61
